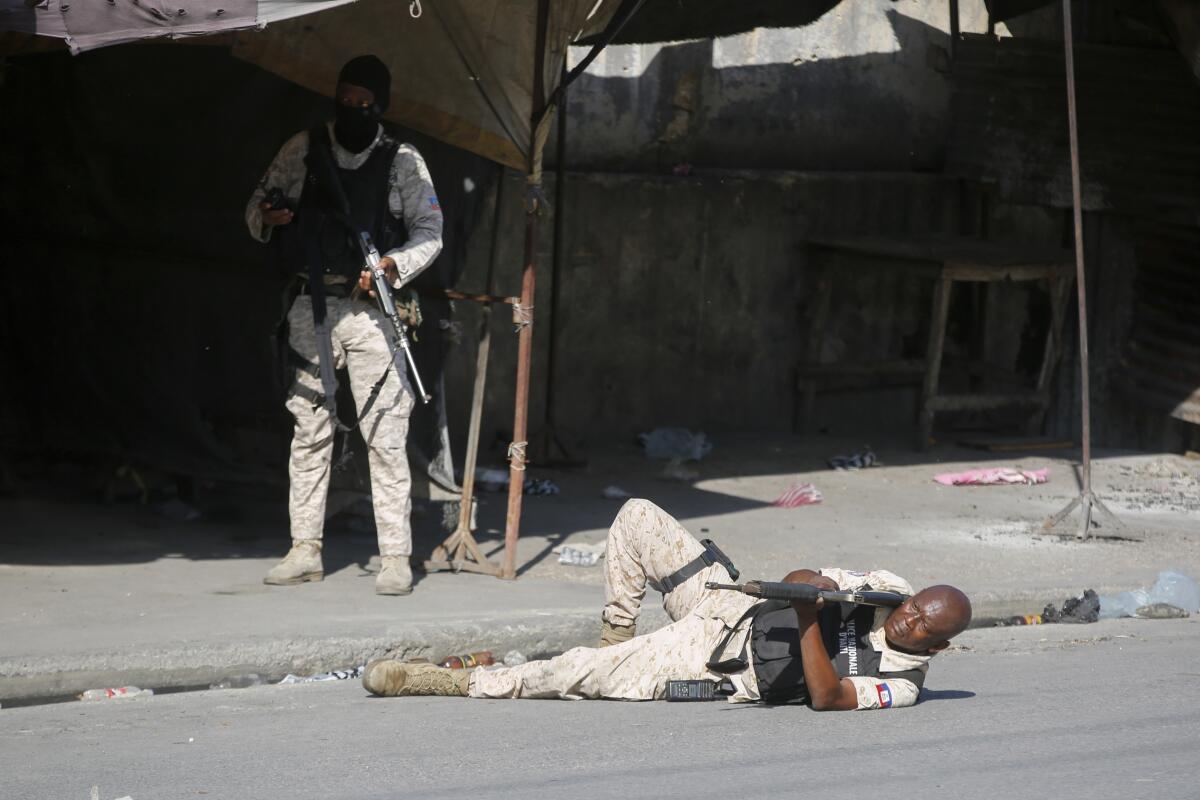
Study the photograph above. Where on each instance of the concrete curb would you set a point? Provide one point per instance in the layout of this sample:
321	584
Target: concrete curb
200	664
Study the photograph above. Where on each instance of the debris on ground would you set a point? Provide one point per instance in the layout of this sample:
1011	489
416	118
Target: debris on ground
799	494
333	675
496	480
491	480
856	461
675	443
1172	588
514	658
581	555
1075	610
1161	484
1161	611
238	682
994	476
468	660
539	486
118	693
615	493
676	470
177	511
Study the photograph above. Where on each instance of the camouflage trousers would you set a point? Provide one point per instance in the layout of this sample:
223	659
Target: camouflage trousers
645	544
359	337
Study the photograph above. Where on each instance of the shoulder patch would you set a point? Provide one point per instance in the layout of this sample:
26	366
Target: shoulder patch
433	203
885	695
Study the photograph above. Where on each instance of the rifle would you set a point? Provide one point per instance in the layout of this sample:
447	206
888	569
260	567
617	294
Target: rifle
383	293
807	593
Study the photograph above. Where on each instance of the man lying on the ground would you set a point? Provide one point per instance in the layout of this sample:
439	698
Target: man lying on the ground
833	657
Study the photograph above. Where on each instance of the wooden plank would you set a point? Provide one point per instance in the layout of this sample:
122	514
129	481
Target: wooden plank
912	366
980	402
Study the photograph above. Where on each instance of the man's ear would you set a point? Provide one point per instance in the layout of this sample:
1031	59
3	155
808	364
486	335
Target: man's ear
939	647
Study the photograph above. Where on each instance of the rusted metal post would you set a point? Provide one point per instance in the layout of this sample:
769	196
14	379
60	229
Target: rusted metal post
523	313
523	316
1086	499
1085	396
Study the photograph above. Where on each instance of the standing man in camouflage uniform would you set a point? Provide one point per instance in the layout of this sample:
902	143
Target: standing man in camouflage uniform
842	657
387	191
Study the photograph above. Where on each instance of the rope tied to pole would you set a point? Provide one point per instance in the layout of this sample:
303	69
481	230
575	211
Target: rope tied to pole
522	316
516	455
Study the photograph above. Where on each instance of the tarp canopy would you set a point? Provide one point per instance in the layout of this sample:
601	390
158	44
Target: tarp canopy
96	23
469	73
463	71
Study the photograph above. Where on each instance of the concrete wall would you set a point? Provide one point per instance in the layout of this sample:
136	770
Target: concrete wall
685	301
863	87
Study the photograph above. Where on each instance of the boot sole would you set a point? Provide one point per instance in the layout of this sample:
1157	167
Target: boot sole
384	690
393	592
305	578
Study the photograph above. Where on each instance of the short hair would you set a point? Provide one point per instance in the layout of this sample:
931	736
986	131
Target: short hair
955	609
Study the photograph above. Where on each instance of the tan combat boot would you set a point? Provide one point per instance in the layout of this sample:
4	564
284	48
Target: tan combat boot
615	634
387	678
301	564
395	576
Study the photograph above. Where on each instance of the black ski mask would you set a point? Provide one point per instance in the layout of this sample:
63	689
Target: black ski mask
355	128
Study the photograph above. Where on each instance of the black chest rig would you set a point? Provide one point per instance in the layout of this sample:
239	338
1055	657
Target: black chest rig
329	213
845	631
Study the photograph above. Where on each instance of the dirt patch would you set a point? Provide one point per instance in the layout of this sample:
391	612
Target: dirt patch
1161	484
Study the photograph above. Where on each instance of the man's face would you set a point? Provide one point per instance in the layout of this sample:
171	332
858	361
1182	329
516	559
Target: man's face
917	624
354	96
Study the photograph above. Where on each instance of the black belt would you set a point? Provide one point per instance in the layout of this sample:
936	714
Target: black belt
341	290
711	555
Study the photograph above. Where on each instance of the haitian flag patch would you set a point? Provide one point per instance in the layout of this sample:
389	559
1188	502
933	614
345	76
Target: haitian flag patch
433	203
885	695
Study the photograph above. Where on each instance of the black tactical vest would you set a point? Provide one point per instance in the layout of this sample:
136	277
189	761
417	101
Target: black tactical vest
845	630
321	214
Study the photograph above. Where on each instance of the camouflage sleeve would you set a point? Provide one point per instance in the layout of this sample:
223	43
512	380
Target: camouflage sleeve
413	200
878	579
287	173
884	693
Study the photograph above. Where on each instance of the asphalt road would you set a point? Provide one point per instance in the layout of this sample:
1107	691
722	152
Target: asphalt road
1095	711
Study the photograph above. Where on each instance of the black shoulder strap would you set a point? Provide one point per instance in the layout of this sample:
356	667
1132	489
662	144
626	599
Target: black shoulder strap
321	166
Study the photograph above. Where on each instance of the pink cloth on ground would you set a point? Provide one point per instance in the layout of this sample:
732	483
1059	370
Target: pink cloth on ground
799	494
992	477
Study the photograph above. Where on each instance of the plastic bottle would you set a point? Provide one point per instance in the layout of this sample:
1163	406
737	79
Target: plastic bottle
119	692
468	660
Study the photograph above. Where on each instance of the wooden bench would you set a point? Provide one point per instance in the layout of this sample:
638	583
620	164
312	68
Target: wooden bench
945	261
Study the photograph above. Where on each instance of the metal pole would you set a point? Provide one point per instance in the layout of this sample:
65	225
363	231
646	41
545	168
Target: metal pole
1086	499
516	450
523	314
560	204
1080	273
